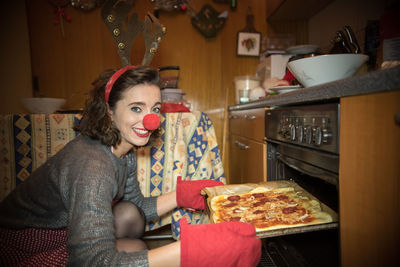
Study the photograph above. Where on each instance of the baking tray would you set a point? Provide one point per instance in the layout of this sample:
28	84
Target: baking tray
210	192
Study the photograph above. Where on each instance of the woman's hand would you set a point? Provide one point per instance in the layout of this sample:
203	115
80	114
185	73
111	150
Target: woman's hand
188	193
220	244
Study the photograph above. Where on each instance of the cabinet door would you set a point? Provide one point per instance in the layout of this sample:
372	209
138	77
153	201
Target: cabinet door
249	123
254	164
369	186
235	162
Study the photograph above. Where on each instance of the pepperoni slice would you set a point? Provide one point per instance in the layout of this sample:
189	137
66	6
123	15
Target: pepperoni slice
257	204
230	205
234	198
258	212
289	210
282	197
258	195
234	219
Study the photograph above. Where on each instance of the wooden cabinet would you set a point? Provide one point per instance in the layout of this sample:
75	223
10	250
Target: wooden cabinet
370	180
294	9
247	153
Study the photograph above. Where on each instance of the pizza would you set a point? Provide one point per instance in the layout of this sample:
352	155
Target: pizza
268	209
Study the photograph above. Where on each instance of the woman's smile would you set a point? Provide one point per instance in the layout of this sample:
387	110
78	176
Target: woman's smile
141	132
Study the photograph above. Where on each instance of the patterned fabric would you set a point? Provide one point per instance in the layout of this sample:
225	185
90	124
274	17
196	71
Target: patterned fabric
35	247
188	148
26	141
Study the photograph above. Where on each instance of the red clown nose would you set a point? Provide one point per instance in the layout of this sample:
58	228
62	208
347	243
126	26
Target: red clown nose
151	122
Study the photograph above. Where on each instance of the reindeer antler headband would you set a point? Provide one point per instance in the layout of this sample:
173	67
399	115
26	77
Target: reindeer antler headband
114	14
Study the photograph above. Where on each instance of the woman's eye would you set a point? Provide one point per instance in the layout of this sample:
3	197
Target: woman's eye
136	109
157	110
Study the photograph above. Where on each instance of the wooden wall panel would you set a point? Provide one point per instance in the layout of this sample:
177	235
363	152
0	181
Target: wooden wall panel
66	66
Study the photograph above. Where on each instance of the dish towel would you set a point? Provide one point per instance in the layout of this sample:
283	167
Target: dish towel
188	148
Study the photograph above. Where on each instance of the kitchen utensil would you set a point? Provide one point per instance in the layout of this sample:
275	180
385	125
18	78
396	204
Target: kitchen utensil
352	39
340	44
285	89
169	81
317	70
344	41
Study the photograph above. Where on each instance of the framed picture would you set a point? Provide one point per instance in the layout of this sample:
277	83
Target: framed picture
248	44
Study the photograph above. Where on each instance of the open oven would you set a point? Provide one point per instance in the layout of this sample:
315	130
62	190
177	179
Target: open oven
303	146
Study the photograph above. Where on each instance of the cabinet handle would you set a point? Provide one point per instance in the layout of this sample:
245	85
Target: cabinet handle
241	145
233	117
249	117
244	147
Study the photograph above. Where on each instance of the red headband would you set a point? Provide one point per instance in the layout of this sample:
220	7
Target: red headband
112	80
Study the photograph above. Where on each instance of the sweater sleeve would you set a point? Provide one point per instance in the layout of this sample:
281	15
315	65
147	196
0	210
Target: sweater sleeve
91	237
133	193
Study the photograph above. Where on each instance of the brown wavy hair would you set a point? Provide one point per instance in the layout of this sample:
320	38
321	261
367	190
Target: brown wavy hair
96	121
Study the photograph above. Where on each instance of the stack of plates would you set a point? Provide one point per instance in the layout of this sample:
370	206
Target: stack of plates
285	89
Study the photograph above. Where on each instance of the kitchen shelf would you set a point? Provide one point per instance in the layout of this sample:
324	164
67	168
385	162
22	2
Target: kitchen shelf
278	10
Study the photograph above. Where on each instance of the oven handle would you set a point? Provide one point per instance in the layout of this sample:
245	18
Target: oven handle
309	169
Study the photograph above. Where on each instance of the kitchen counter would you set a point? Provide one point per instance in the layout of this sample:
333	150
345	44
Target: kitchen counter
371	82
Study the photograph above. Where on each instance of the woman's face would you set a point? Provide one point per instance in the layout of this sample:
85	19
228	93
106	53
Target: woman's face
136	102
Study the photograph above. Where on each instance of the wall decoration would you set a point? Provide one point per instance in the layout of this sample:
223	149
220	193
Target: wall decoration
248	44
208	21
61	15
248	39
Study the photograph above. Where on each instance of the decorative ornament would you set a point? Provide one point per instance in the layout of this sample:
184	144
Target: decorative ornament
60	13
169	5
86	5
248	39
208	21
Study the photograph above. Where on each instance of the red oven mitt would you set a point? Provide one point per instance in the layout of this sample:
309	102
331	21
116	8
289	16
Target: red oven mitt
220	244
188	193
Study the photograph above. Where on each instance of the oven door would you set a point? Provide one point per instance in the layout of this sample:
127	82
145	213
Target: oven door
317	173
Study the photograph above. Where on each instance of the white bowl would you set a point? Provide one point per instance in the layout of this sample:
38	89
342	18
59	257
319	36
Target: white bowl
42	105
317	70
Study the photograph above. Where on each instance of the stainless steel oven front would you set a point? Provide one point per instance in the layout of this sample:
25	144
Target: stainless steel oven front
303	146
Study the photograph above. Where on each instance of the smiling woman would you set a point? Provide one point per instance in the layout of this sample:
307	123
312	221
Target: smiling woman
90	208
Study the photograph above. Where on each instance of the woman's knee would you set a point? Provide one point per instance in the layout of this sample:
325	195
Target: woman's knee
129	220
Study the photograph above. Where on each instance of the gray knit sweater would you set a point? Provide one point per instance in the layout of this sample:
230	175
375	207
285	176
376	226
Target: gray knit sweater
74	189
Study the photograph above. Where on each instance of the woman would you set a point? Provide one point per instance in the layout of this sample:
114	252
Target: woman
83	207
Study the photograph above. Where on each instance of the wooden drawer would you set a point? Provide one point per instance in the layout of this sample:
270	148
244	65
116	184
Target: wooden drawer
249	123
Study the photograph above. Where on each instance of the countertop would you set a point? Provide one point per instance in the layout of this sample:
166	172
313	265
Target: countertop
367	83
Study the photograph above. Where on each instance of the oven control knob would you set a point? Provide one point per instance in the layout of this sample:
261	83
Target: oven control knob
318	136
300	131
326	136
309	134
322	136
293	133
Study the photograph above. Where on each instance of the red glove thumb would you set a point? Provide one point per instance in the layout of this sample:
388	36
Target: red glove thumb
220	244
188	193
